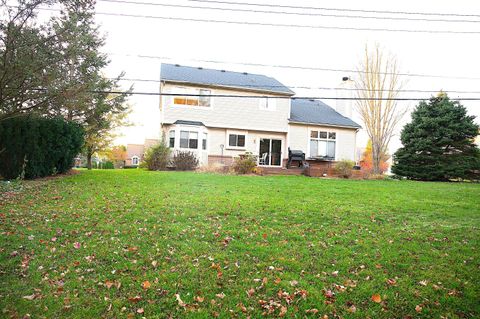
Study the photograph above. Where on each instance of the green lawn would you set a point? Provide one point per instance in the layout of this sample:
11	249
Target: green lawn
130	243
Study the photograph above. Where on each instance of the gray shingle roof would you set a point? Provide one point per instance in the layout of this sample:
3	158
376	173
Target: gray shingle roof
186	122
256	82
317	112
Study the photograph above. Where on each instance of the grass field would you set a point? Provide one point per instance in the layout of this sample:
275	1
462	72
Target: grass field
131	244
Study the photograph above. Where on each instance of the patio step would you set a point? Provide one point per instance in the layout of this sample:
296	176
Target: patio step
282	171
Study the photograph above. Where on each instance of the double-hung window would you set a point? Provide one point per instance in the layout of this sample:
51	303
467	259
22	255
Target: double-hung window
188	139
322	144
236	140
192	97
135	160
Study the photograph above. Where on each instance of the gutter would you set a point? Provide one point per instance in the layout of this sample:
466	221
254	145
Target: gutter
325	124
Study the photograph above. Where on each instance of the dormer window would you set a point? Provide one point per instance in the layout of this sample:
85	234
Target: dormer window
192	97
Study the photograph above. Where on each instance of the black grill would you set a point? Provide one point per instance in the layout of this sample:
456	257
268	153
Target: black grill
296	155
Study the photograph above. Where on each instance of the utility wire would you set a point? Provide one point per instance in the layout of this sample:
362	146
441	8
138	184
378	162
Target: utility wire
283	25
337	9
265	96
306	87
314	14
299	67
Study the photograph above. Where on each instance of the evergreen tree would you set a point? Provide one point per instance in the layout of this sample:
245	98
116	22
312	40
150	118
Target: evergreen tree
438	144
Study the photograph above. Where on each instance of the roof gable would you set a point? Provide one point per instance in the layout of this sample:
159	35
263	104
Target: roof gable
316	112
222	78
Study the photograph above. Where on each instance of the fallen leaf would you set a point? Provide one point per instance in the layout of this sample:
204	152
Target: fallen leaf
220	295
293	283
135	299
250	292
376	298
146	284
314	311
30	297
140	310
199	299
180	301
418	308
108	284
391	282
264	236
77	245
352	309
283	311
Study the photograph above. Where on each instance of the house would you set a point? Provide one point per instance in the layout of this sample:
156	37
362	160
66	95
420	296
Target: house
136	152
220	115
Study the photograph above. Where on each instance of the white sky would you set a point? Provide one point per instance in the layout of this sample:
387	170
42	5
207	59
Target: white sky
444	54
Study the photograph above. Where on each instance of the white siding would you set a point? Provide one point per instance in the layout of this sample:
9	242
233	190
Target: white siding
228	112
299	136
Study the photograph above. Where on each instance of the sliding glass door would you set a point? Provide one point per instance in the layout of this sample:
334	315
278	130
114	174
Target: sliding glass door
270	152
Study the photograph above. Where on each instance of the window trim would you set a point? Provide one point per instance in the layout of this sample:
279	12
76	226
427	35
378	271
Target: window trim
188	140
328	139
170	138
137	158
227	140
191	90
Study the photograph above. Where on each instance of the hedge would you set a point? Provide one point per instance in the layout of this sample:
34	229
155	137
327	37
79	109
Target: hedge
35	146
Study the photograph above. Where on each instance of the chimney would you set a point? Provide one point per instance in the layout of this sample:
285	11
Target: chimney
345	95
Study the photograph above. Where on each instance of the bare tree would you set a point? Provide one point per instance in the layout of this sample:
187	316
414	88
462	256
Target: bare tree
378	86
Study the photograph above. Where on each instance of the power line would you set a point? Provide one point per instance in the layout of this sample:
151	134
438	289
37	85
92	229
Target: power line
283	25
265	96
282	66
307	87
287	12
337	9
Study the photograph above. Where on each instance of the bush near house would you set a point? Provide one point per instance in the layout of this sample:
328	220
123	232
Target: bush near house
185	161
438	145
34	146
344	168
245	164
157	157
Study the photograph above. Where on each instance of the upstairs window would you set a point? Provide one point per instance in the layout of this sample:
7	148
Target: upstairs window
188	139
322	144
193	97
171	139
236	140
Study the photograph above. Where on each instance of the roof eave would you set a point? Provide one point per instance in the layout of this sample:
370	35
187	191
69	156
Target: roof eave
325	124
238	88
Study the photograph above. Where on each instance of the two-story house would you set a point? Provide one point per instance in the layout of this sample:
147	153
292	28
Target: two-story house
220	115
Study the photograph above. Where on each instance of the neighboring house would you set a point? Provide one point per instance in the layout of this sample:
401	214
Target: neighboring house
135	152
262	117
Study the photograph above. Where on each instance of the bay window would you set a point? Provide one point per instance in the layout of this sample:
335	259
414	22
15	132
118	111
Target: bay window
188	139
171	139
322	144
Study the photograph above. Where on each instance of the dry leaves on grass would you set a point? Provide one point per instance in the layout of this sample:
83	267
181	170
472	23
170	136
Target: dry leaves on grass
376	298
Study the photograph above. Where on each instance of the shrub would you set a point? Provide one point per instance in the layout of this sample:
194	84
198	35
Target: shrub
245	164
185	161
344	168
35	146
157	157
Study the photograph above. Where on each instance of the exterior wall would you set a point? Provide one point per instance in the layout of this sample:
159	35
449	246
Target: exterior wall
228	112
299	137
134	150
216	137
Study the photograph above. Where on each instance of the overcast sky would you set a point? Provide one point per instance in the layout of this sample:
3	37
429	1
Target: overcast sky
186	42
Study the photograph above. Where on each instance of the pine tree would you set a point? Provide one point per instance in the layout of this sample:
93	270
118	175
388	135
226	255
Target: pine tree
438	144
